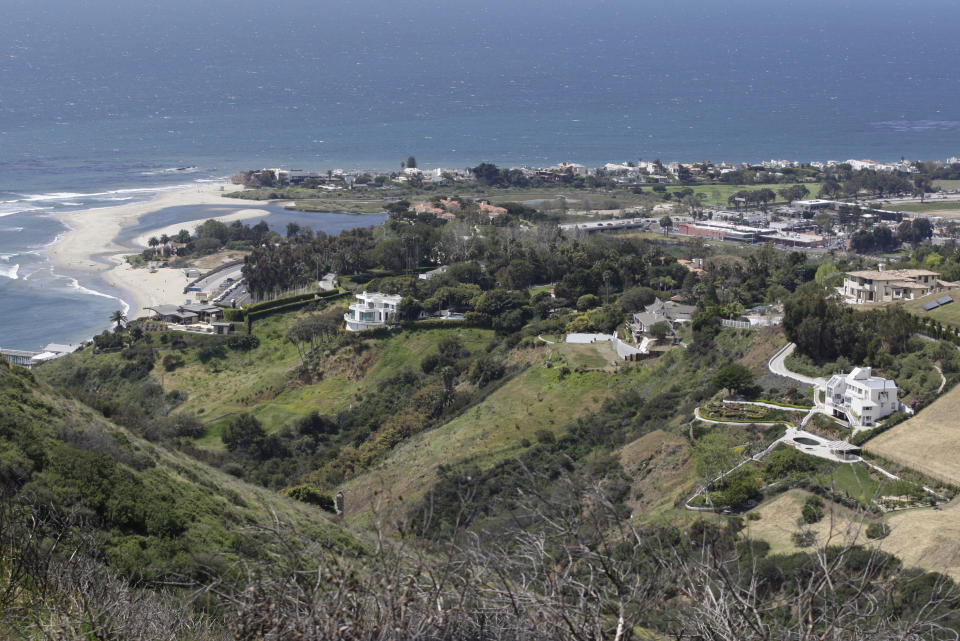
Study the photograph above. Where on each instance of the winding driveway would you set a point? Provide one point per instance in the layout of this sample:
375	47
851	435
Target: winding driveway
777	366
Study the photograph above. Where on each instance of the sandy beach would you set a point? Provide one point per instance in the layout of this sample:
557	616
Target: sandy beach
92	232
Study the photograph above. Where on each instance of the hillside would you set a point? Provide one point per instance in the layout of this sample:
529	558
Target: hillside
148	515
928	442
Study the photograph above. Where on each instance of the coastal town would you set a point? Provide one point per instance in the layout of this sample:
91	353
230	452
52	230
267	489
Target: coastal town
790	339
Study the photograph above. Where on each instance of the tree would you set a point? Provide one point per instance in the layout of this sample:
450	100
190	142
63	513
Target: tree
119	318
398	209
921	185
411	163
243	433
712	456
587	301
636	298
794	192
660	330
153	242
734	377
666	223
828	275
487	174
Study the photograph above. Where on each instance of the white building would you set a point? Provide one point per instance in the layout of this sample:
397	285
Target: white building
371	310
860	398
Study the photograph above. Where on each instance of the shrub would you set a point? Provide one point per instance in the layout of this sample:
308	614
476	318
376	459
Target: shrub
546	437
587	301
804	538
812	510
209	352
242	342
877	530
311	495
172	361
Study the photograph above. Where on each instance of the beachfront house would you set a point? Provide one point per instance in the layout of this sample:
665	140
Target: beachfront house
186	314
371	310
860	398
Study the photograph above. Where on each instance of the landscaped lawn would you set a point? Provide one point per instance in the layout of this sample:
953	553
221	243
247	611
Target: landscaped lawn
854	480
948	314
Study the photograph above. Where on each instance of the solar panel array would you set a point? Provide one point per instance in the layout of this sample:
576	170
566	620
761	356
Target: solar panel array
930	306
944	300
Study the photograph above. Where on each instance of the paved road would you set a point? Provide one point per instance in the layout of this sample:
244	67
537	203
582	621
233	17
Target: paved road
214	282
778	367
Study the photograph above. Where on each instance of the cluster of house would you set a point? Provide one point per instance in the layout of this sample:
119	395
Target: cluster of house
447	208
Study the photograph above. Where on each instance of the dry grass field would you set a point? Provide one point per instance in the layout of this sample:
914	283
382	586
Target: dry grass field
926	538
929	442
923	538
780	519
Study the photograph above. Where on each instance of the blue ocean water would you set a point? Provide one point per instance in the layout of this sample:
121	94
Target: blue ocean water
102	97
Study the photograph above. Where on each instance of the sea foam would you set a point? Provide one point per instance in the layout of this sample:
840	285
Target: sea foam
10	271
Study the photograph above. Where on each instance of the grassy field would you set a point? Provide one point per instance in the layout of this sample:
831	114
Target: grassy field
658	465
929	442
948	314
368	200
926	538
496	428
780	519
592	356
717	195
947	184
944	208
853	480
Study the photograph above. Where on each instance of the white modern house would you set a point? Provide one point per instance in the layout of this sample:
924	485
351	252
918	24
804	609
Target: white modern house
860	398
372	309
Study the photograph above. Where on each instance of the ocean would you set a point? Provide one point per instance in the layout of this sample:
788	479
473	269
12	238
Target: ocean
104	102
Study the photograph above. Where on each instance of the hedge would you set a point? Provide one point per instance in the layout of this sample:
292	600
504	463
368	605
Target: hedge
289	306
232	315
280	302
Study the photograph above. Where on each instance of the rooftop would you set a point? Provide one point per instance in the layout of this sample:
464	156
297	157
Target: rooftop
892	274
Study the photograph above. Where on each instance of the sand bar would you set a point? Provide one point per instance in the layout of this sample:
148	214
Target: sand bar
92	232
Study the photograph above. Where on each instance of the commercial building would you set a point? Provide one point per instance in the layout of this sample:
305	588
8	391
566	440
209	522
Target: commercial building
719	230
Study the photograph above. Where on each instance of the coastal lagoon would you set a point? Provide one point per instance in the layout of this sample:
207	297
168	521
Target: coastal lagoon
46	303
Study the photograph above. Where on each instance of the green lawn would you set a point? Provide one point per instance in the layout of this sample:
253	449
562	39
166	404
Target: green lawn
948	314
593	356
854	480
718	194
943	207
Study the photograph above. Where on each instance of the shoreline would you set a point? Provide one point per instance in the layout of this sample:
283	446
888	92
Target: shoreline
89	248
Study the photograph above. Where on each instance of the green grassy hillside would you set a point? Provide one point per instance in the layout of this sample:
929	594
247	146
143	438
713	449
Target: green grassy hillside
151	513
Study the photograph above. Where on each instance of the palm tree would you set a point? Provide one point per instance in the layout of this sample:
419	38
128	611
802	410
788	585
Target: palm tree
119	318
